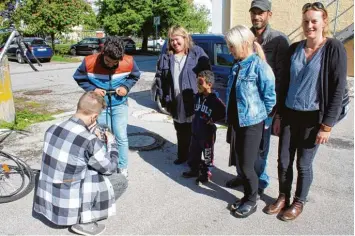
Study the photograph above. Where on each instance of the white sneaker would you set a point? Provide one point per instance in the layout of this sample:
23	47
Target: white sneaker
89	228
123	171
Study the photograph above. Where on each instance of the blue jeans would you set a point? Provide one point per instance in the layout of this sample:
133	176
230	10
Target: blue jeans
120	120
261	162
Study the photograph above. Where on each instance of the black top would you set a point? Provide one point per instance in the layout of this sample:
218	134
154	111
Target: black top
206	109
232	105
333	73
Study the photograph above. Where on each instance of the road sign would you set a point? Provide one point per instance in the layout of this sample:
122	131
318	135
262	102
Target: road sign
157	20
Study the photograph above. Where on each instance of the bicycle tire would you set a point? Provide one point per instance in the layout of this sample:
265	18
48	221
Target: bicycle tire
30	184
8	170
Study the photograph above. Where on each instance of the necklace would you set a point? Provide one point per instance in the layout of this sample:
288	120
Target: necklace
178	61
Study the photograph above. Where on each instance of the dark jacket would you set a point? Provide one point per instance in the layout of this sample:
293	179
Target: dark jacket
275	45
209	108
333	74
196	61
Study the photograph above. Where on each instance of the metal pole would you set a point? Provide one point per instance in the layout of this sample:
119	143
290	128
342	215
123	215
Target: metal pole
336	18
7	44
156	37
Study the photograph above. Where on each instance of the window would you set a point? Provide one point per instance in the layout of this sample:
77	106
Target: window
204	46
38	42
222	55
90	41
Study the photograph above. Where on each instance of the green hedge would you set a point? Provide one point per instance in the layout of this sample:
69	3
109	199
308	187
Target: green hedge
62	49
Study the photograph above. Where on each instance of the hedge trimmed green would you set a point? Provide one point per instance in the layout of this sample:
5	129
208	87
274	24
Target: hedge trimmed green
62	49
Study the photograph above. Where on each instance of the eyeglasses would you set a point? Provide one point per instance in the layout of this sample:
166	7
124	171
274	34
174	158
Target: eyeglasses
318	5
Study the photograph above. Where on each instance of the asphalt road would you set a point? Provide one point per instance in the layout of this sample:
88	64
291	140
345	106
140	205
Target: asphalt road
158	200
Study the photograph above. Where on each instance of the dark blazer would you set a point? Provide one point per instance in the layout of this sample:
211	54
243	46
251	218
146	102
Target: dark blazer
333	75
196	61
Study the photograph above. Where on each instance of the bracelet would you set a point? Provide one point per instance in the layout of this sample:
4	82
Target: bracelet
325	128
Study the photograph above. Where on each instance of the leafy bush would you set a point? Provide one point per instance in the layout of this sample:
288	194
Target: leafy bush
62	49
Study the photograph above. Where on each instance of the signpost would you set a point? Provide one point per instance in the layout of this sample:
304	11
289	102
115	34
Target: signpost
156	22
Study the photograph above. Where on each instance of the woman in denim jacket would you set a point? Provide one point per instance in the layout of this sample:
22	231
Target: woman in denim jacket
250	99
176	82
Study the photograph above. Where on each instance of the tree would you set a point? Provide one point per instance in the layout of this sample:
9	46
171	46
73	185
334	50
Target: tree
53	17
197	19
4	23
121	17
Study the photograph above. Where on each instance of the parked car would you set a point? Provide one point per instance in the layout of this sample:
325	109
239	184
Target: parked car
87	46
155	43
130	45
221	61
39	48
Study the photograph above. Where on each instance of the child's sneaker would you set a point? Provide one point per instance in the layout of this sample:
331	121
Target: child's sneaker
190	174
204	178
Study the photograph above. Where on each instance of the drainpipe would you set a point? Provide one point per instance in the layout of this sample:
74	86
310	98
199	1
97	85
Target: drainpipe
336	18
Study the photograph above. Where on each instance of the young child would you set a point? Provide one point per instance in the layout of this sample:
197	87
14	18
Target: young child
208	109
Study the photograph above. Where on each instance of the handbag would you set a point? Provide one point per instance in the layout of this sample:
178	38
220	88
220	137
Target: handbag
345	107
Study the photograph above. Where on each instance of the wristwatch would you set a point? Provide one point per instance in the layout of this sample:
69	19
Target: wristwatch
325	128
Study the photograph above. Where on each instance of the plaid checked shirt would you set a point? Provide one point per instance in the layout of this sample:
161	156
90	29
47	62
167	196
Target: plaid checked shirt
72	185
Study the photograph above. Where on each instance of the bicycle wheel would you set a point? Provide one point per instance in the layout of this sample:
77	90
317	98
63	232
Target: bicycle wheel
17	177
12	177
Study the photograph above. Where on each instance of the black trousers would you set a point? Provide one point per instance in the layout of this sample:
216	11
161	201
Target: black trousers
199	146
299	130
245	142
183	133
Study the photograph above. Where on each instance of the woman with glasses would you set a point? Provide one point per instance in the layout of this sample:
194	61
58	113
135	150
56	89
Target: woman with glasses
250	99
176	82
309	105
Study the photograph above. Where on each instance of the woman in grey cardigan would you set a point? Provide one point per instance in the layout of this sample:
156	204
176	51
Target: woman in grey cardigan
176	81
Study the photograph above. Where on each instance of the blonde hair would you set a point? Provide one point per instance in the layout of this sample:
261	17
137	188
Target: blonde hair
325	32
180	31
240	36
91	103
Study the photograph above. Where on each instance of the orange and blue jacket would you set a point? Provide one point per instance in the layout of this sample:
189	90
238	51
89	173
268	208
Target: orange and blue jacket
91	75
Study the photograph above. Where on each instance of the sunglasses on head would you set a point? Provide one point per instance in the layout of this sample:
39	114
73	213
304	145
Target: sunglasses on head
318	5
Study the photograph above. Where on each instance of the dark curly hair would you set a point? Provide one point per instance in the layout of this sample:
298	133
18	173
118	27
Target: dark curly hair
114	47
207	75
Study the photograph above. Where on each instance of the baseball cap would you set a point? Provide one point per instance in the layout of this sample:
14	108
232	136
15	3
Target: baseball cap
264	5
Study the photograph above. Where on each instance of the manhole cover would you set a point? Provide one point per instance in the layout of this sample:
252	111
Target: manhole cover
37	92
145	141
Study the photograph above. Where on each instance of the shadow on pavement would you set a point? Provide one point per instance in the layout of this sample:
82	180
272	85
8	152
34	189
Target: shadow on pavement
162	159
143	98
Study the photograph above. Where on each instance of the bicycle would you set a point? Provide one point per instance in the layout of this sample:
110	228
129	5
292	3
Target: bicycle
24	48
17	179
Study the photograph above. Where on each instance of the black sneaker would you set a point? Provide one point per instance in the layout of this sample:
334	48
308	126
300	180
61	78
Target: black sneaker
244	210
202	179
190	174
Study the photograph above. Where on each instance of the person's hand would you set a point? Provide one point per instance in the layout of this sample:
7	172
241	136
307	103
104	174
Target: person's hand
322	137
210	122
100	92
109	137
276	128
121	91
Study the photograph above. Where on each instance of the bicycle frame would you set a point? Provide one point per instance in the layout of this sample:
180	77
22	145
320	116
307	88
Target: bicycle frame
15	34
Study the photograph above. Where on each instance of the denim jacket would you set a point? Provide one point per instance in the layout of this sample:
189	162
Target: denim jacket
255	90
